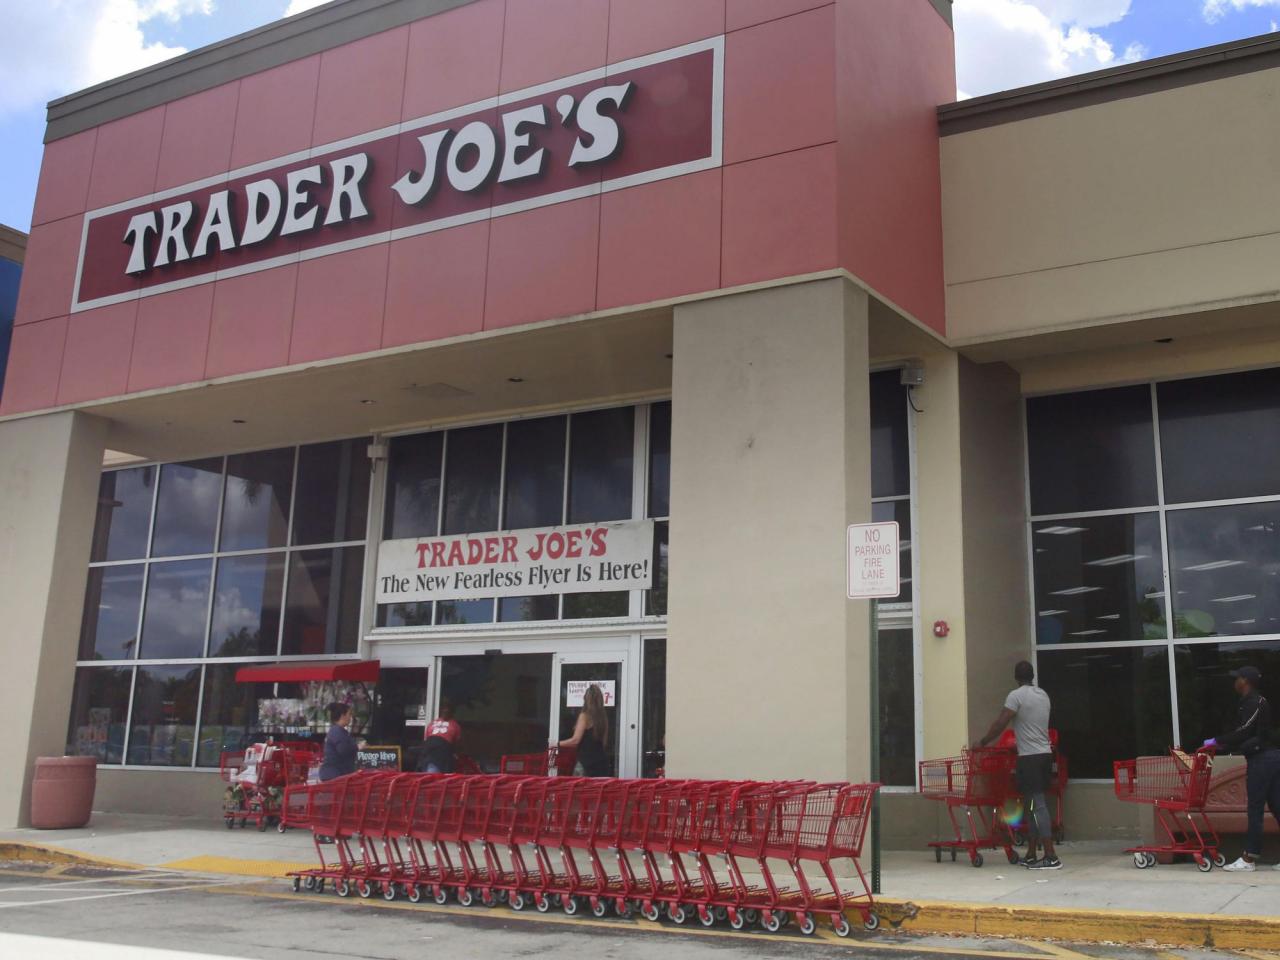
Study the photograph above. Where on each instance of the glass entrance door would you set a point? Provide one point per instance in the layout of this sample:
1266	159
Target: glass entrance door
608	671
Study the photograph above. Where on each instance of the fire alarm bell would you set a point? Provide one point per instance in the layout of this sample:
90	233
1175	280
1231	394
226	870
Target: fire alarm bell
941	629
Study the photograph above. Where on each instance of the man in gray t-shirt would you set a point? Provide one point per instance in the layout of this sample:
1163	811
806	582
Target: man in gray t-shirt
1027	708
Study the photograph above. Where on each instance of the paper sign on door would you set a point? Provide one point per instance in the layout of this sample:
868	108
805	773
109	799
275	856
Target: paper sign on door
577	690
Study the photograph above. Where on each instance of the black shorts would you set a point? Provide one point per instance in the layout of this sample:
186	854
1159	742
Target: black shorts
1034	773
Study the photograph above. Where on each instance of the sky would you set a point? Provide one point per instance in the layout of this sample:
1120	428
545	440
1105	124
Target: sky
50	48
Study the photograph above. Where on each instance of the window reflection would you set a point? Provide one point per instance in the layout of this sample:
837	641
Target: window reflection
124	514
1108	705
246	606
660	460
586	606
503	704
473	476
413	487
322	613
1091	451
109	630
99	711
601	458
1209	422
535	473
890	442
406	614
229	715
457	612
164	716
177	608
897	709
1207	699
255	512
522	609
187	508
1226	570
1099	578
656	598
333	492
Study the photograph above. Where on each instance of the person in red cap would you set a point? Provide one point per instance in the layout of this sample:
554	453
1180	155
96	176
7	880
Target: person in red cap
1253	737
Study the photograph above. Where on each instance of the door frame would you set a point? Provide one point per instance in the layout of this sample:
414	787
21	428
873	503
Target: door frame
626	712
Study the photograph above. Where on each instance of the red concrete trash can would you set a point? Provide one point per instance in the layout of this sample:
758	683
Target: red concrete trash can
62	792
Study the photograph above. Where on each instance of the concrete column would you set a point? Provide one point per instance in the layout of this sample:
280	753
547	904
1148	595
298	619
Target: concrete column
49	469
767	660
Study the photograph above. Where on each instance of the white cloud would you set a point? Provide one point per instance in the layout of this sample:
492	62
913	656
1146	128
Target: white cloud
298	6
55	47
1001	44
1215	10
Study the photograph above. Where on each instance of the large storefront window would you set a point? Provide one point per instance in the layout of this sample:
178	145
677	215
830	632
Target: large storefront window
197	567
1155	528
575	468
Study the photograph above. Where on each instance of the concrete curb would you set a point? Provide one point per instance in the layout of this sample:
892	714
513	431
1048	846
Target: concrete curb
1089	926
39	853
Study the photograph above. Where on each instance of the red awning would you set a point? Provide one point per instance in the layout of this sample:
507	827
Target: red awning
356	671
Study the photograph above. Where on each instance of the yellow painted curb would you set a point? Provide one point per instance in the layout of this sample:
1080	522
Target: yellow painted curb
1093	926
39	853
235	867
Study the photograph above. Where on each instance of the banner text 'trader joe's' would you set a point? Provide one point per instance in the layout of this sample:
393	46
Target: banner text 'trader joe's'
587	558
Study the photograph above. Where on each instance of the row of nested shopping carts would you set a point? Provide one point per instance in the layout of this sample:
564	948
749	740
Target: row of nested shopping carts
258	776
672	848
980	792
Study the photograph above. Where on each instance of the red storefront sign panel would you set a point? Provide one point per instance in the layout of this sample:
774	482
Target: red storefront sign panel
635	122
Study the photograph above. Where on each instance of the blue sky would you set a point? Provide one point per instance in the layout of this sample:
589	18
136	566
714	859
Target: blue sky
53	47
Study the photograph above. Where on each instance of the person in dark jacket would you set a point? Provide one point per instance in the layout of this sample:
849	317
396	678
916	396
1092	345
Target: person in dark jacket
1252	737
591	735
340	746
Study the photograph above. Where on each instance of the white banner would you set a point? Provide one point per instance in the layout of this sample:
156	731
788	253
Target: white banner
589	558
576	692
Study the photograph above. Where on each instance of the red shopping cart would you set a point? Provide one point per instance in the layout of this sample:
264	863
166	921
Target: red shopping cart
257	779
979	783
1175	787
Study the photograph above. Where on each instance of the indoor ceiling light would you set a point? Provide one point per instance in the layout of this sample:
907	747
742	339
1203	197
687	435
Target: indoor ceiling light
1214	565
1052	613
1238	598
1118	559
1062	531
1074	591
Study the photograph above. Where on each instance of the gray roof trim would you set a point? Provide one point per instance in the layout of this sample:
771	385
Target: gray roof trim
944	10
1115	83
13	244
325	27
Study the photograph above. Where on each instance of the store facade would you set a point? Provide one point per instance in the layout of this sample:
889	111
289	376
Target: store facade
520	350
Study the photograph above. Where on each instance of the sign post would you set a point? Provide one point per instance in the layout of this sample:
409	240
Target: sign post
873	574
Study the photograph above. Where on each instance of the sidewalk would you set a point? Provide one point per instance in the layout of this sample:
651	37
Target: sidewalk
1098	896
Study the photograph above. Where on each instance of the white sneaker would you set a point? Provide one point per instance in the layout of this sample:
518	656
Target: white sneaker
1241	866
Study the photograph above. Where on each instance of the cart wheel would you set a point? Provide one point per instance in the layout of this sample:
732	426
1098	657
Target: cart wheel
1219	861
650	911
771	923
1203	865
364	888
805	924
440	895
414	893
231	822
840	924
280	827
976	860
937	854
464	896
488	899
622	908
751	915
320	885
599	908
262	824
736	920
871	923
542	902
310	883
676	913
1013	856
297	884
706	916
516	901
1140	860
390	891
570	905
342	888
1151	860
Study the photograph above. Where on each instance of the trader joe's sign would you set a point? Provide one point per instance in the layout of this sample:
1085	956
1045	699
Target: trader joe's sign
589	558
634	122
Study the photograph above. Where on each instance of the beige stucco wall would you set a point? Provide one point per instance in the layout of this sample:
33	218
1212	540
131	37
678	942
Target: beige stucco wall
770	457
1157	204
168	793
995	544
49	469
